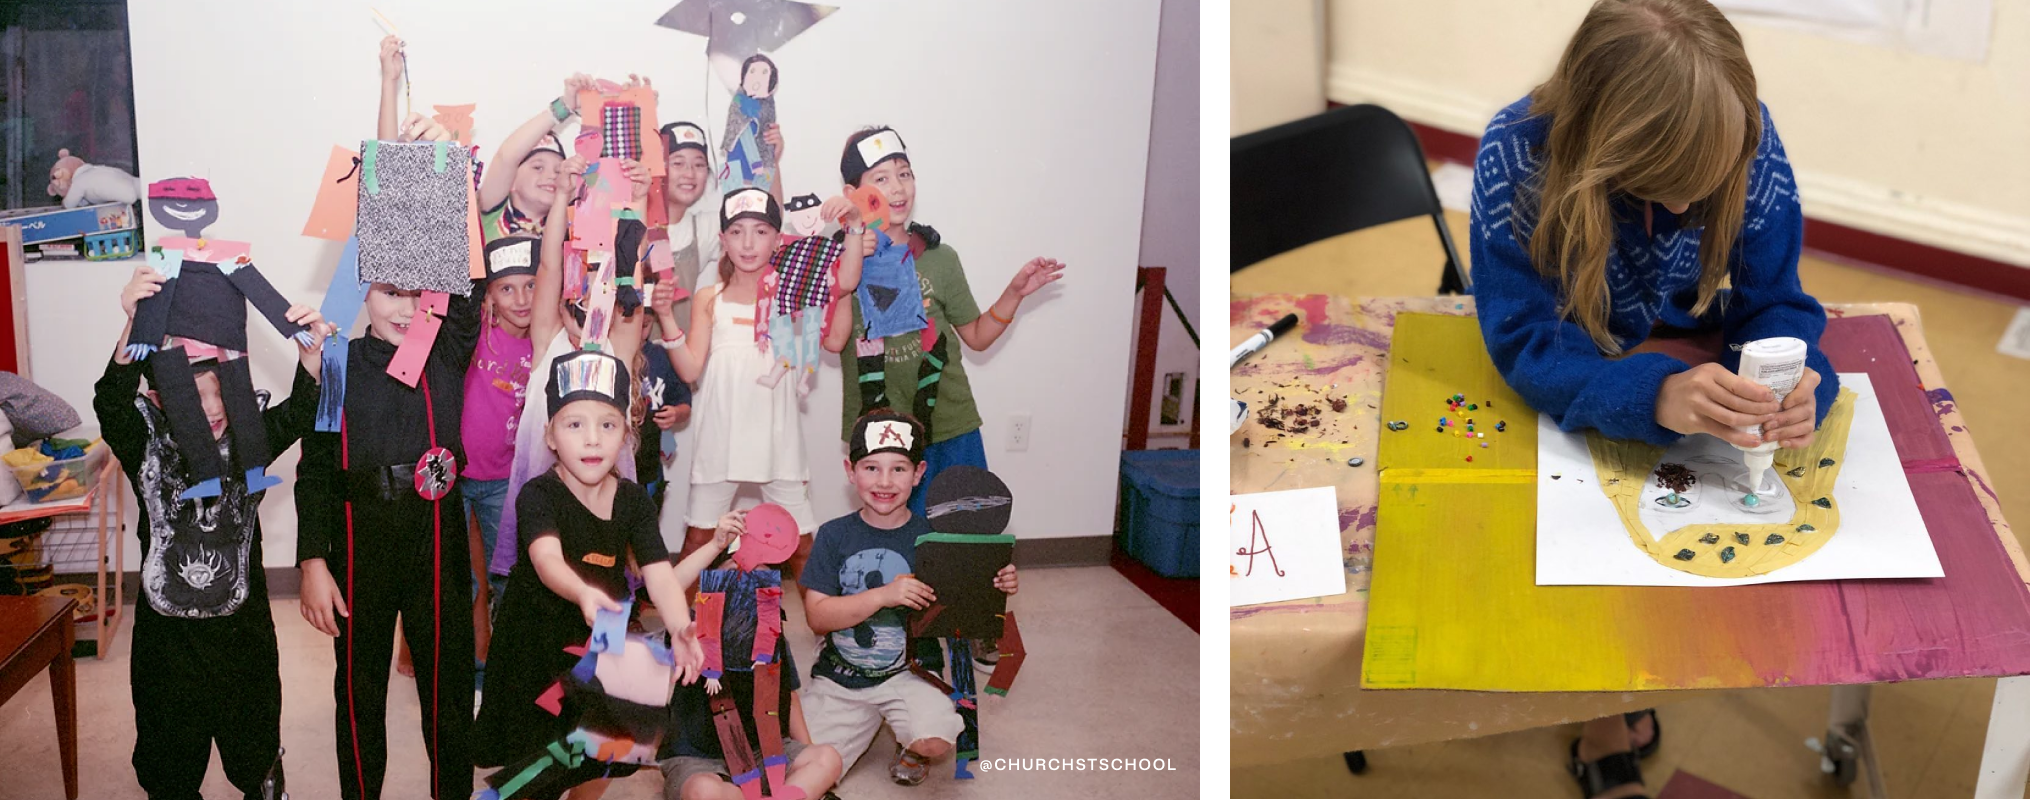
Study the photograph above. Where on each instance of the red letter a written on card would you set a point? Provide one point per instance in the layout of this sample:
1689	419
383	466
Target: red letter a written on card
1258	544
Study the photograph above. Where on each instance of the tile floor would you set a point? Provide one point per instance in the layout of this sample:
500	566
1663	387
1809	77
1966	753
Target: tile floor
1087	631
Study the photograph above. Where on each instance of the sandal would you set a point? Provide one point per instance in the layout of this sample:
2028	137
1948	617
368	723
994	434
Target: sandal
1655	727
1609	771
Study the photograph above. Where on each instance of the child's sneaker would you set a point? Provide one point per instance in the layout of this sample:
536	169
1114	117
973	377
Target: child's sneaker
910	769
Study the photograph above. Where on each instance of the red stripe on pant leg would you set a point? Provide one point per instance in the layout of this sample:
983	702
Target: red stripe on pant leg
437	637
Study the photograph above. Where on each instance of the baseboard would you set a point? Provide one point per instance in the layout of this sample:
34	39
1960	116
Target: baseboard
284	583
1851	220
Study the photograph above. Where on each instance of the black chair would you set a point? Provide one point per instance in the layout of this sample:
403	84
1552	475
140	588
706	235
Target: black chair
1346	169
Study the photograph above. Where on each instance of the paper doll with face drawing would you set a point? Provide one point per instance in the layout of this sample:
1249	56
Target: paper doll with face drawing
752	144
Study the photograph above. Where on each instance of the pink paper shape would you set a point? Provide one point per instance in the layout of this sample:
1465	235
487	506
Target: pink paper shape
215	251
599	306
407	365
592	226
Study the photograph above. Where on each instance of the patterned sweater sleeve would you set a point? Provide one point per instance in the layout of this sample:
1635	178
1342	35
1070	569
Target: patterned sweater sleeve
1767	299
1547	359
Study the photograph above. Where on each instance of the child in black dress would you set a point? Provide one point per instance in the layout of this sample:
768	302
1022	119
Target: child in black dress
580	527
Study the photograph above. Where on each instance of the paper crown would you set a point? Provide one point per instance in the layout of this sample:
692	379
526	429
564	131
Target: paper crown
749	203
510	255
882	145
887	432
587	375
181	189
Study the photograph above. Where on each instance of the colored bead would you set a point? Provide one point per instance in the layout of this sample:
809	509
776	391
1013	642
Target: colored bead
1740	537
1711	538
1823	502
1685	555
1727	554
1774	538
1355	461
1805	528
1750	500
1825	462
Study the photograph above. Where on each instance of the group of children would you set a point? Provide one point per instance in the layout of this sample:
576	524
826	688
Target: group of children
549	433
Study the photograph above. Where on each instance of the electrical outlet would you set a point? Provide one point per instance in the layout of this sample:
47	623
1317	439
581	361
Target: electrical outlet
1018	432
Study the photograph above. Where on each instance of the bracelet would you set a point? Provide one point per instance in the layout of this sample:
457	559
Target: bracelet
998	318
559	110
674	341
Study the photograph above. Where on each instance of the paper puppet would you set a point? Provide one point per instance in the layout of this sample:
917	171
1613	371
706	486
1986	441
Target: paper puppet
621	690
890	294
201	313
736	29
796	297
82	184
457	120
1680	507
748	116
739	622
414	223
968	508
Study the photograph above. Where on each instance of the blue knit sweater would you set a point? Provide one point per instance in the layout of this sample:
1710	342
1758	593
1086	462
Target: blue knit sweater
1652	277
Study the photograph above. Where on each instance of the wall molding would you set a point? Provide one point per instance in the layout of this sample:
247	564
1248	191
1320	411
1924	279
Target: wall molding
1932	223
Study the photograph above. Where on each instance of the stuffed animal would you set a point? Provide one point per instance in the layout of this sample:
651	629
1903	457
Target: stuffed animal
82	184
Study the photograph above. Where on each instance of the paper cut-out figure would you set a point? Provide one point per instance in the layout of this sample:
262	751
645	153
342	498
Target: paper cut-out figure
621	690
201	312
748	116
968	510
739	622
798	298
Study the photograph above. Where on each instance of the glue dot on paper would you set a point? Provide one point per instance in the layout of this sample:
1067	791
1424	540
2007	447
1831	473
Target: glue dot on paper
738	18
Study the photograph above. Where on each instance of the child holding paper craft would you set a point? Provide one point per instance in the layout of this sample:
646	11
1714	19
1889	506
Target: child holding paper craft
689	239
1647	137
875	157
748	433
518	199
857	592
722	712
753	140
376	540
206	665
495	387
580	528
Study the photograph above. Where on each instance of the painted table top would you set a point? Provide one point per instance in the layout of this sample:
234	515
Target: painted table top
1296	665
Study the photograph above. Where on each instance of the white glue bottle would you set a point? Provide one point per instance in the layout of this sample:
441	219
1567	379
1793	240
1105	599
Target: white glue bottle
1777	363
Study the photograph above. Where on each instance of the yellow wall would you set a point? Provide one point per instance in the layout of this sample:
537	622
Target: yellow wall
1278	62
1913	146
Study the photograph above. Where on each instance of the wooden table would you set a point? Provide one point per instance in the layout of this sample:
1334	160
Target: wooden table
1296	665
36	633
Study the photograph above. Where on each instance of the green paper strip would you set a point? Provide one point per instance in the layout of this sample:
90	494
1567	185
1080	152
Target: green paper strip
967	538
369	174
997	692
625	280
443	152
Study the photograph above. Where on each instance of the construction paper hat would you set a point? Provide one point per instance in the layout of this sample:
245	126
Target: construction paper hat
884	431
770	537
587	375
685	134
967	499
548	144
749	203
868	153
510	255
181	189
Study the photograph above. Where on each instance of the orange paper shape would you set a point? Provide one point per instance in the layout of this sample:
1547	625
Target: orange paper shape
873	205
590	100
457	120
337	203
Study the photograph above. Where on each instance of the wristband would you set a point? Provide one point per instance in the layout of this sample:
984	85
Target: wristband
999	318
559	110
674	341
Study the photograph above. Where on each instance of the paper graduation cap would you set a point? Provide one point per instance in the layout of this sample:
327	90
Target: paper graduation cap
736	29
968	508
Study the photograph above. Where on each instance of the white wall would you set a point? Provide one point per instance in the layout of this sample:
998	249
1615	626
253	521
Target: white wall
1170	209
1018	155
1278	63
1914	146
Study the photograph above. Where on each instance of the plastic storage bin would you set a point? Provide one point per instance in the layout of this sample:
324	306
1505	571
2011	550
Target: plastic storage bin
63	479
1159	510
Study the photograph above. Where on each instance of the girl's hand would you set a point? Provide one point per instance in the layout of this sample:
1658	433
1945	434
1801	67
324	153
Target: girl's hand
663	298
1036	274
641	82
578	82
1005	579
732	526
391	59
146	283
666	417
1797	424
591	601
842	211
320	600
638	175
1709	399
773	136
419	128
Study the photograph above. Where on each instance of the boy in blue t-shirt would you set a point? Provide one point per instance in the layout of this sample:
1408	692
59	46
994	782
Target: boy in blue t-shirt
858	589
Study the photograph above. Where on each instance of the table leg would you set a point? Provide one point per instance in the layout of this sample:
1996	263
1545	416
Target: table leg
2005	759
63	685
1849	750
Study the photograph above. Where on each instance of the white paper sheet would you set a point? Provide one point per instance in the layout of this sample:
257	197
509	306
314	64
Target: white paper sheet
1581	541
1285	546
